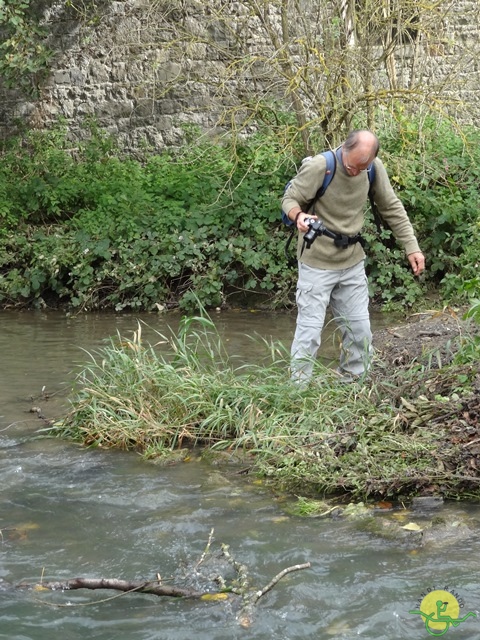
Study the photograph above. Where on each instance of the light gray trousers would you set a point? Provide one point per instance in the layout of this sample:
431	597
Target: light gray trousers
346	291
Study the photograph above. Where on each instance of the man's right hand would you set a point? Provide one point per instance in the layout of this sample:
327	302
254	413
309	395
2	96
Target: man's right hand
301	226
299	217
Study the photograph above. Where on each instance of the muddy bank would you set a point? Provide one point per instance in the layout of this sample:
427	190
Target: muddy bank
431	338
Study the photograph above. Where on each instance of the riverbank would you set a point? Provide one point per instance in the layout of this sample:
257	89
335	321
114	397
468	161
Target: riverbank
410	429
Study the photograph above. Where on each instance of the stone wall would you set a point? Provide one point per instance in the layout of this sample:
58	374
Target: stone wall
144	68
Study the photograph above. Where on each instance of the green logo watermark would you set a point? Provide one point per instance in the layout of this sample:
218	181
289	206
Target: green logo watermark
440	610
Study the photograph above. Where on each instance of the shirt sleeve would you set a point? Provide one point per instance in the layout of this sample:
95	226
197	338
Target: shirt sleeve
392	210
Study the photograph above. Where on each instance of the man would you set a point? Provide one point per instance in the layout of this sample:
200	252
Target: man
335	275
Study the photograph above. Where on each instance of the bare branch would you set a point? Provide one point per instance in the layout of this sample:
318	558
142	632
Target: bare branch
151	587
278	577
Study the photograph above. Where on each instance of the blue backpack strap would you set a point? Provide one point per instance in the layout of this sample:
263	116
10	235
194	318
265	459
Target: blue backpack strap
285	219
331	165
371	177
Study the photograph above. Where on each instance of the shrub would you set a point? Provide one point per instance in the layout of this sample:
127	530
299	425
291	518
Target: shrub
438	184
202	222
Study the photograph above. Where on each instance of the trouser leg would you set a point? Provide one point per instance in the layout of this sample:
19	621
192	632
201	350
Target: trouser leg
349	305
314	288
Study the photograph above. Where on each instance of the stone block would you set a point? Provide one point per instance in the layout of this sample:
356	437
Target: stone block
61	77
99	71
113	109
166	107
84	109
168	72
77	77
24	109
118	72
144	108
68	108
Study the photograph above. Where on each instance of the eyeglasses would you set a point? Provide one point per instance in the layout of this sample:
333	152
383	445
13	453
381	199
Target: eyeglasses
347	166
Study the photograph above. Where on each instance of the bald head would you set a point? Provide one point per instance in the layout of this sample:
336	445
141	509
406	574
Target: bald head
359	150
364	143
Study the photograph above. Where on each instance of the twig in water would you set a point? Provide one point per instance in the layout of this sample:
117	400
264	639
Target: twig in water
206	550
277	578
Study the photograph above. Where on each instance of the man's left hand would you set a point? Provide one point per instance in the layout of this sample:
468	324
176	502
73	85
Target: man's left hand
417	262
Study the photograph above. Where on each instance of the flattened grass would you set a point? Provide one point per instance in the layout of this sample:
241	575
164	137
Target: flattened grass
360	439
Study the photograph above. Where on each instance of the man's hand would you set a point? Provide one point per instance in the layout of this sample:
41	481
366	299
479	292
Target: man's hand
297	215
417	262
301	226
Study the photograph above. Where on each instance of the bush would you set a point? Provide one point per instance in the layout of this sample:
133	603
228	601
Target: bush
438	184
91	228
108	231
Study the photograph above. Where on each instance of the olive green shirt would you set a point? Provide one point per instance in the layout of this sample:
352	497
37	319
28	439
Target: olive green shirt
341	209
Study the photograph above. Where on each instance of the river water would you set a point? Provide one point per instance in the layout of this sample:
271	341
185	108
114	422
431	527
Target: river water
69	512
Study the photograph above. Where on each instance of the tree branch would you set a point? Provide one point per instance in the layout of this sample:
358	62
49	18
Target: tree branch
151	587
240	585
277	578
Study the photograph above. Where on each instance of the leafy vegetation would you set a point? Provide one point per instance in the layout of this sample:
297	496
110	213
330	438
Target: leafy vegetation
438	184
106	230
24	52
88	227
399	434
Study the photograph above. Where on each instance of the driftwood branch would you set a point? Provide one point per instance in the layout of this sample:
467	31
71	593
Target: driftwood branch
277	578
240	585
206	550
152	587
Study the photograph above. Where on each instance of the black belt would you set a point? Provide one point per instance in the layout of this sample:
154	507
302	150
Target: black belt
341	240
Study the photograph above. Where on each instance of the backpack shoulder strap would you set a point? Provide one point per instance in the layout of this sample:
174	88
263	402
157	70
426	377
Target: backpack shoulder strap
331	165
371	178
330	169
379	221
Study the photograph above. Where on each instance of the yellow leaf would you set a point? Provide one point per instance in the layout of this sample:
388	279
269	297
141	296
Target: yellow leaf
39	587
408	405
412	526
280	519
213	597
28	526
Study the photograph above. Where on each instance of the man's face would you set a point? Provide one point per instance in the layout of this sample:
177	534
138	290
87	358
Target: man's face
356	161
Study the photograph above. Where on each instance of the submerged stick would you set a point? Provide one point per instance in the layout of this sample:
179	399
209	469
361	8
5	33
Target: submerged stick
150	587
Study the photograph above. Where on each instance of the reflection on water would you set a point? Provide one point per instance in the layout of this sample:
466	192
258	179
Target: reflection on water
69	512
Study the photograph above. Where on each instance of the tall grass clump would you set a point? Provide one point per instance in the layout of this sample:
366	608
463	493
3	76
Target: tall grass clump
377	438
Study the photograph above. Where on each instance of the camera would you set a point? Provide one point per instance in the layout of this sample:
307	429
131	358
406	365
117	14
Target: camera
316	228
